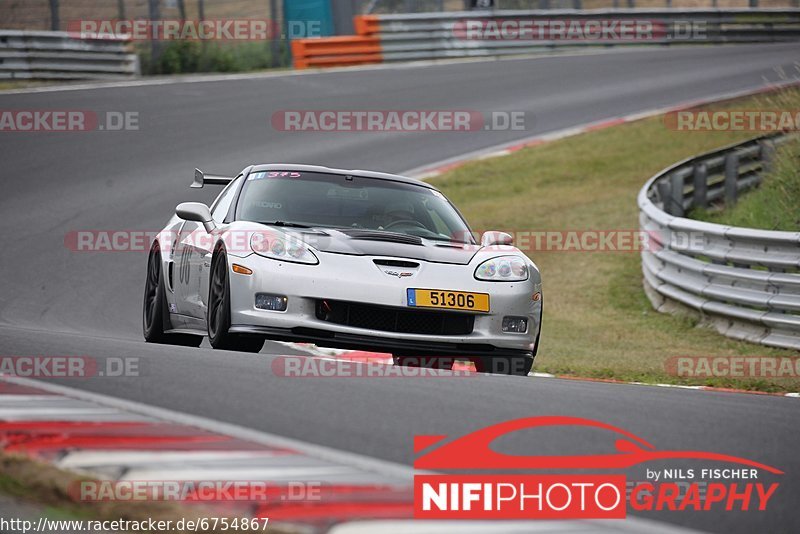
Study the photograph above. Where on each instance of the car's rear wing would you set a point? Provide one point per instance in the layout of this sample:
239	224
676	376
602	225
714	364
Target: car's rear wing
201	179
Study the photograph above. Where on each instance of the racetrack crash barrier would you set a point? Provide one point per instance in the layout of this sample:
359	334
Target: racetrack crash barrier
335	51
43	55
428	36
746	282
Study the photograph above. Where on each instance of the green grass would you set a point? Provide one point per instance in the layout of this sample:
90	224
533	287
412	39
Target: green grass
185	57
774	205
6	85
597	321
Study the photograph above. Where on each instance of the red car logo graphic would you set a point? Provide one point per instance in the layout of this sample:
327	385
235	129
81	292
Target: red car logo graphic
473	451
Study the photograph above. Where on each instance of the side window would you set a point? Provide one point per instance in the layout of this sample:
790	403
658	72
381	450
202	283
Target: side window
223	203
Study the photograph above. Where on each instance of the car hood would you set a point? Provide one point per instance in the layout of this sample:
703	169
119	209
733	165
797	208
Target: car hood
360	242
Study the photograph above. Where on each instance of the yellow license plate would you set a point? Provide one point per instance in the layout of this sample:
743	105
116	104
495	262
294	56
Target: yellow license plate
452	300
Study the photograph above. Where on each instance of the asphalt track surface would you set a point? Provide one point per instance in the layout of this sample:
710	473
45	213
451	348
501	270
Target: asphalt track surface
55	301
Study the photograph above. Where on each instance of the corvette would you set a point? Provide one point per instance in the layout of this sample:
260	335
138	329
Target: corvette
349	259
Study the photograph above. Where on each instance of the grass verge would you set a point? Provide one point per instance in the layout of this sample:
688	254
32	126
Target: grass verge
774	205
6	85
186	57
597	321
46	485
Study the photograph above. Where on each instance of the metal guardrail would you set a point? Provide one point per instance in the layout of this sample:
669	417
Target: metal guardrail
419	6
745	281
40	55
424	36
427	36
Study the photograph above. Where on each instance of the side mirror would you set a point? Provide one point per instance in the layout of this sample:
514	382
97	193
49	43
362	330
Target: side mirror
496	238
197	212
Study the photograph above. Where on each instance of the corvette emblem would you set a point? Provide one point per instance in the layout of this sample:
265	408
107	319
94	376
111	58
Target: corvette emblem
398	274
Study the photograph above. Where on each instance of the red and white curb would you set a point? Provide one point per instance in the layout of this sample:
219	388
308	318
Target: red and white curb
363	357
676	386
122	442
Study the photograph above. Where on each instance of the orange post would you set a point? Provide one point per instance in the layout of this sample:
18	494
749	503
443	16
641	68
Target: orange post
336	51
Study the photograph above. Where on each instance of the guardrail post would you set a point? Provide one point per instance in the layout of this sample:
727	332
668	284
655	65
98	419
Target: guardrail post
154	12
753	3
671	195
767	155
274	44
700	179
121	9
731	176
544	4
676	198
55	24
665	194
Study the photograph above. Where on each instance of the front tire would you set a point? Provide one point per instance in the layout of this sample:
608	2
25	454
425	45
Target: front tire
154	318
218	316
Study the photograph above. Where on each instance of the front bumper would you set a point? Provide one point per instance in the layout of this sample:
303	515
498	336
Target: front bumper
357	279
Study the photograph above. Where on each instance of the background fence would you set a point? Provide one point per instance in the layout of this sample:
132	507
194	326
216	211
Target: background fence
427	36
423	6
745	281
54	14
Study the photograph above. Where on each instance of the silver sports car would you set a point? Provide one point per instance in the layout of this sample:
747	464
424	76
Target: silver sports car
349	259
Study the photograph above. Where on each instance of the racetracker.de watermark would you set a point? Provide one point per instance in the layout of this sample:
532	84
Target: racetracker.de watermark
195	490
222	29
362	367
392	120
733	366
46	366
578	30
742	120
63	120
244	241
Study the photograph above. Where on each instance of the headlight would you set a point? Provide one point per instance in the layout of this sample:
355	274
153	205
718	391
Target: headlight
503	269
282	248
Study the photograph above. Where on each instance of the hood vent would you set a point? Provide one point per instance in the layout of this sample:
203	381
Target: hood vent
391	237
397	263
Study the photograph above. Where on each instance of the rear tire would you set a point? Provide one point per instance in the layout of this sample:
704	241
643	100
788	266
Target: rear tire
218	316
428	362
154	318
503	365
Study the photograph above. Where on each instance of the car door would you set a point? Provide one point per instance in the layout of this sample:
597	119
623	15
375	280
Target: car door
194	256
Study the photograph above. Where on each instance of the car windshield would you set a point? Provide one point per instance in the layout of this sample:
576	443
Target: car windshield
336	201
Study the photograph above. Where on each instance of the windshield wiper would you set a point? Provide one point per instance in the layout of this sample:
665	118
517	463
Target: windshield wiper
285	224
438	237
446	240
